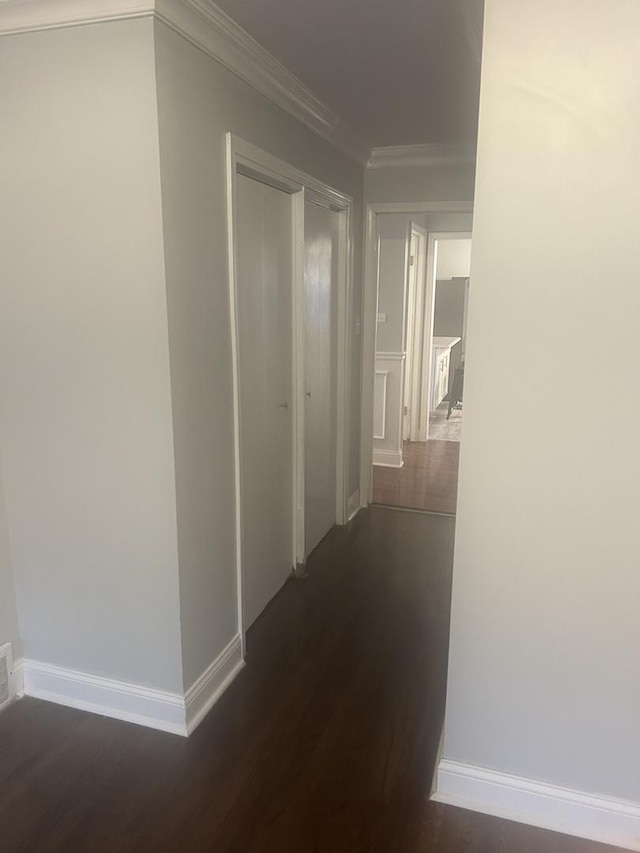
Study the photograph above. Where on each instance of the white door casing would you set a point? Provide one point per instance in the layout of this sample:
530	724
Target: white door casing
414	330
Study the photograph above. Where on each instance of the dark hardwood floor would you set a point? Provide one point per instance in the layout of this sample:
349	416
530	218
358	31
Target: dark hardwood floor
325	743
428	480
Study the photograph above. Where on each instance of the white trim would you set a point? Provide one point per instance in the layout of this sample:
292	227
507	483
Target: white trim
210	29
6	655
432	154
370	319
391	356
368	355
413	376
298	375
344	352
249	160
209	687
23	16
157	709
385	377
18	678
432	207
235	384
434	778
388	458
353	506
603	819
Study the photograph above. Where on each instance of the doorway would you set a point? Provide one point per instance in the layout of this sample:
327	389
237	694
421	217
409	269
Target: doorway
418	280
448	271
290	296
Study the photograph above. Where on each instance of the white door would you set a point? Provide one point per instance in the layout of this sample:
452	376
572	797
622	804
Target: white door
320	282
264	277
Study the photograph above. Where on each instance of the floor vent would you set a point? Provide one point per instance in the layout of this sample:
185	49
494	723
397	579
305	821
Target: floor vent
6	675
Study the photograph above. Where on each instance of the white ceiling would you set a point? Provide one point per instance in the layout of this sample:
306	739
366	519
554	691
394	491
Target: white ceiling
399	72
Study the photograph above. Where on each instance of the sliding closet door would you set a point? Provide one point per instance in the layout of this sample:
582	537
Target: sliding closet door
264	278
321	257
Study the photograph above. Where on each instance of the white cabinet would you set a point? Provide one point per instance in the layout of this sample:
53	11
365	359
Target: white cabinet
440	362
440	377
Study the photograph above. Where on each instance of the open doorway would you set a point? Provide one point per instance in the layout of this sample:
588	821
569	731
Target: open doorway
421	266
448	277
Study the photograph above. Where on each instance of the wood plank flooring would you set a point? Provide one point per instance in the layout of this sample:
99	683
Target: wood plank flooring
325	743
428	479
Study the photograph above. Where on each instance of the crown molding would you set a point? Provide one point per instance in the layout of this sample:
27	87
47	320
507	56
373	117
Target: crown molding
23	16
433	154
210	29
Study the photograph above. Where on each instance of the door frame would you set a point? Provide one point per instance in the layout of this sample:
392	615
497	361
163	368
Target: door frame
369	319
413	331
244	158
435	237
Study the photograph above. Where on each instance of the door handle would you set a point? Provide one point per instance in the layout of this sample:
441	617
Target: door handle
283	405
308	393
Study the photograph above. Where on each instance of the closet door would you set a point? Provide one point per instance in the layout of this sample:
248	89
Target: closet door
264	278
321	257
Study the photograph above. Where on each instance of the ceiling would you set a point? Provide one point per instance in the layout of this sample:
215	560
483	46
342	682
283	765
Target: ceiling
399	72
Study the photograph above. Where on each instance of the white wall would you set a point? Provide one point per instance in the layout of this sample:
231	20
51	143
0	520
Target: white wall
544	680
454	259
85	429
199	101
9	631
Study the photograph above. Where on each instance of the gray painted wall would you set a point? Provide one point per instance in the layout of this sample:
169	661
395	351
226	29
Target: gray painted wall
9	631
544	681
394	232
420	183
103	363
199	101
85	427
448	315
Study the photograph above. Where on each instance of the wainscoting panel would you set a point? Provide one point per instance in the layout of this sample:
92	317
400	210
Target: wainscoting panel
388	408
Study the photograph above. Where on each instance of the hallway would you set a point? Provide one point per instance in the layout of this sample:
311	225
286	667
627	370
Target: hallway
427	481
325	742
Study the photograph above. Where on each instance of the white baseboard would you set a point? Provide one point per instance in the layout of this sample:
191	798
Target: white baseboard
207	689
353	505
157	709
388	458
146	706
597	818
